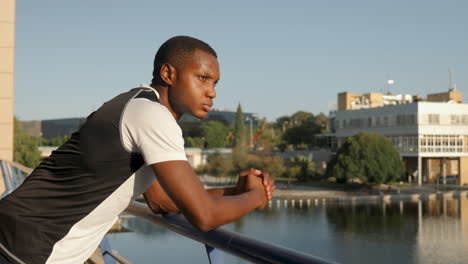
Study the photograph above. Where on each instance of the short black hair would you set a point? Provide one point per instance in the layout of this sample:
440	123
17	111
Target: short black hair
174	51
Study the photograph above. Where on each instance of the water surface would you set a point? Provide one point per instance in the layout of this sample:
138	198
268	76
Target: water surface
410	232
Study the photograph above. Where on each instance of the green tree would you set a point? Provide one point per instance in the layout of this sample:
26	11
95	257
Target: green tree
301	117
368	157
217	165
302	135
300	130
304	168
57	141
321	120
25	147
194	142
215	134
239	130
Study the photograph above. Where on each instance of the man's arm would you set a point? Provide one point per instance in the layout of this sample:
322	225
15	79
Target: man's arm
160	203
200	208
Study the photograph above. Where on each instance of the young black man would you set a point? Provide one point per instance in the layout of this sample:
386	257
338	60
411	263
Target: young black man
65	207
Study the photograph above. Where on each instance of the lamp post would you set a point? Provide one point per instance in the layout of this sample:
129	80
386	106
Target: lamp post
251	139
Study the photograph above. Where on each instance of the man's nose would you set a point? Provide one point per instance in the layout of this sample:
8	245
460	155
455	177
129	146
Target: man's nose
211	93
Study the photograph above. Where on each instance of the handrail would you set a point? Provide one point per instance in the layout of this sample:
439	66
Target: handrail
215	240
19	166
250	249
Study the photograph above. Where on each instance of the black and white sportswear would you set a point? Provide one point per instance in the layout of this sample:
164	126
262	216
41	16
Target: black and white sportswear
64	208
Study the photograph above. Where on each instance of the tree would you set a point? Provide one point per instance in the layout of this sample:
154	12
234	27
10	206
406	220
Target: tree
301	117
239	130
25	147
57	141
303	135
304	166
194	142
300	129
321	120
368	157
217	165
215	134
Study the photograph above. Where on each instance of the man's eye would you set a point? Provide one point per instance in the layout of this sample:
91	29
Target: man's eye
203	78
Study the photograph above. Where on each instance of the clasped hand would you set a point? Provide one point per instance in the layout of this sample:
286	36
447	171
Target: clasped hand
255	179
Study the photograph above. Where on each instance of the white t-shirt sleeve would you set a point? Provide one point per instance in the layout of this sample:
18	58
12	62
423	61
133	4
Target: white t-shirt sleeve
150	129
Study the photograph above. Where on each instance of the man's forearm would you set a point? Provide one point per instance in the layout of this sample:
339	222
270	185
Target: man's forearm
230	208
228	191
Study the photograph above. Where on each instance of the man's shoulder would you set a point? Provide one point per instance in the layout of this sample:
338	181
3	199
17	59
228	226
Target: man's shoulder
144	109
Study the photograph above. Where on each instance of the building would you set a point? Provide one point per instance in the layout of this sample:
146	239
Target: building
224	116
7	71
431	135
53	128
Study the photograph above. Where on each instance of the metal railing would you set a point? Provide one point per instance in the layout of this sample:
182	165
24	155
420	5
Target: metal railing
12	174
216	241
220	239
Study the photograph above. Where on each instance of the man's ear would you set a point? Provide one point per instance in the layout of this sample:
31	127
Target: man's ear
168	74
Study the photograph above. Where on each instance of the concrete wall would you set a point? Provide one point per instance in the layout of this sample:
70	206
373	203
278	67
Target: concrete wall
7	63
463	170
445	97
390	111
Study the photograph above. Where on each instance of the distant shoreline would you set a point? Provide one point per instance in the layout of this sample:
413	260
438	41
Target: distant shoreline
344	196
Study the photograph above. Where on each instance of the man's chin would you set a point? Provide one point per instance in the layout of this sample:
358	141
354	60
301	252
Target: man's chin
200	115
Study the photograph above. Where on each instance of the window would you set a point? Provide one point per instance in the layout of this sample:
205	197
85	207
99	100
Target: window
464	119
455	119
433	119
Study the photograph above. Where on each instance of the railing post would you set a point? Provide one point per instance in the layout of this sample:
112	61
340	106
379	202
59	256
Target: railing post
105	250
6	178
215	256
13	178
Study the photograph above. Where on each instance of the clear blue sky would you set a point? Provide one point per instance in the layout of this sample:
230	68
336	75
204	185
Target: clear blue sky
276	57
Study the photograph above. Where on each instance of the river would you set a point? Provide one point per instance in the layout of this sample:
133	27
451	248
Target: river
410	232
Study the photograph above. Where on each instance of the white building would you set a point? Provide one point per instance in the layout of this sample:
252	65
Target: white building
432	137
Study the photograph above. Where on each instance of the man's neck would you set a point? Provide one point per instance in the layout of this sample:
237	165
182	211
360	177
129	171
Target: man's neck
164	99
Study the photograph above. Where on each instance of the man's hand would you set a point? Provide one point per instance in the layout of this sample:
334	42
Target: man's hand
269	184
254	184
158	201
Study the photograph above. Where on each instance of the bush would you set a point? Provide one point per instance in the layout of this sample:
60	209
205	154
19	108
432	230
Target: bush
306	168
263	161
368	157
194	142
26	150
217	165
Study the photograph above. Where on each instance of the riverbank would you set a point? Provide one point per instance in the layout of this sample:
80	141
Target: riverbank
365	194
352	192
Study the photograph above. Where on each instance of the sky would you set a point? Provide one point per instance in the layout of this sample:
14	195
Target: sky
276	57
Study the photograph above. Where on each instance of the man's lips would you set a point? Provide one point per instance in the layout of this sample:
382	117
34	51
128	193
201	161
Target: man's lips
207	107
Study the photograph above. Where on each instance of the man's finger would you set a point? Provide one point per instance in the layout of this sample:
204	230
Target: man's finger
252	170
265	176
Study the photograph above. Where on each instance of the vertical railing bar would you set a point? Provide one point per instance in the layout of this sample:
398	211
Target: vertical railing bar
17	175
21	176
6	177
13	176
105	249
5	180
215	256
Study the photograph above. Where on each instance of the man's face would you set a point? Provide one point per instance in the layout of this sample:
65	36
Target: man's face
194	88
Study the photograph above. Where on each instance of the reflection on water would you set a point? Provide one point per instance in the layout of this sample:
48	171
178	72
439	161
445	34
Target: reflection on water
410	232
